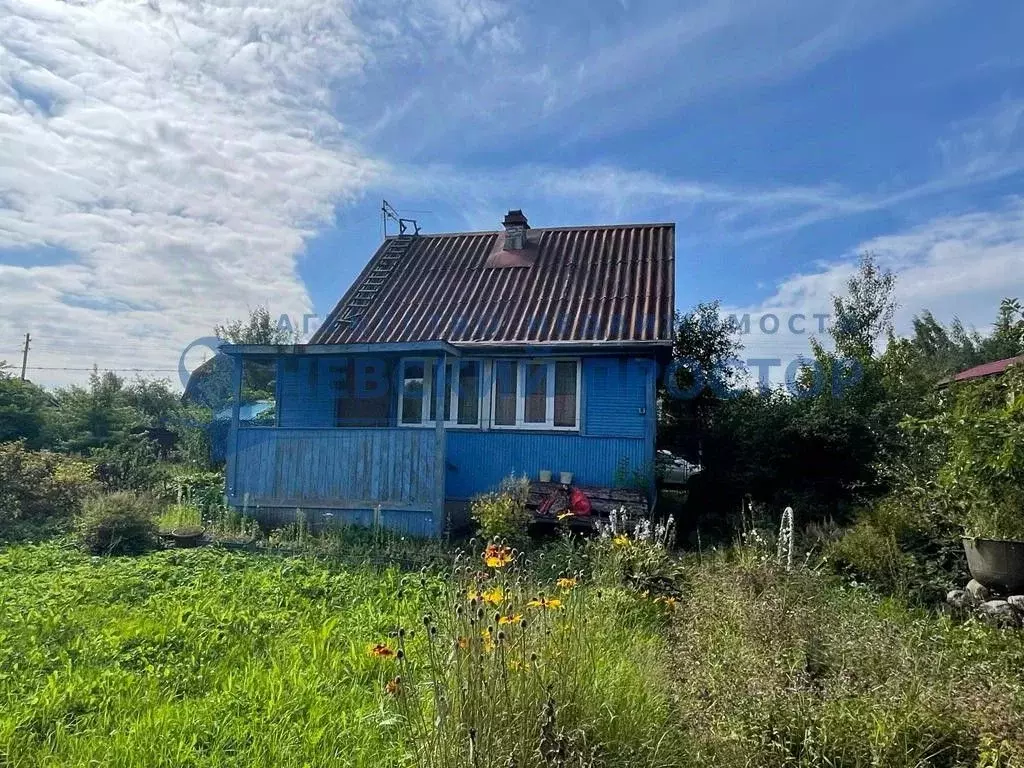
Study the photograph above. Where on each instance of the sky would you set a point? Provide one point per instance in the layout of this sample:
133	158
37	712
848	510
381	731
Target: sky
166	166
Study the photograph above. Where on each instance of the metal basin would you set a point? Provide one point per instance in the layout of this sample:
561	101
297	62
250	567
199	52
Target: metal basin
997	563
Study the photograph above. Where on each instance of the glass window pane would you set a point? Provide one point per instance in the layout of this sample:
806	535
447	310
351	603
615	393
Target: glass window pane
505	378
535	411
412	392
469	393
565	393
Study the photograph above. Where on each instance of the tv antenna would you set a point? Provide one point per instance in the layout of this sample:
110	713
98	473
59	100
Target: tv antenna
387	211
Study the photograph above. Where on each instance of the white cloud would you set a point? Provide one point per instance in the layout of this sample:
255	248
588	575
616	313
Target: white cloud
956	266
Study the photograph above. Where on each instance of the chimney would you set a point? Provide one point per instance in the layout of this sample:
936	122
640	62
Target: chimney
515	230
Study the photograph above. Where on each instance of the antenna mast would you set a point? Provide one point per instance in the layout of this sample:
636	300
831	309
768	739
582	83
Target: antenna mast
387	211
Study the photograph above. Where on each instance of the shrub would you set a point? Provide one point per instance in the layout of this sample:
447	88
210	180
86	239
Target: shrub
180	518
899	548
502	514
121	523
40	489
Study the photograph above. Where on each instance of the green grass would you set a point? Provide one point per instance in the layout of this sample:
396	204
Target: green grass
802	670
210	658
192	658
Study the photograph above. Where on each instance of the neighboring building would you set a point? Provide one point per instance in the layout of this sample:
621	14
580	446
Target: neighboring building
984	371
540	348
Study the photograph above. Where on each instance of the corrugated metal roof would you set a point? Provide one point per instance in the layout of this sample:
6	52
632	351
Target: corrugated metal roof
610	283
987	369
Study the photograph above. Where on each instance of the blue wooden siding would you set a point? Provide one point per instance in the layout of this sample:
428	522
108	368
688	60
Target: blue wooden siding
337	469
306	391
308	462
617	417
477	461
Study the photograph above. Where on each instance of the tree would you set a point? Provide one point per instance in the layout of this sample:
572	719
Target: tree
865	313
259	328
705	367
1007	339
23	412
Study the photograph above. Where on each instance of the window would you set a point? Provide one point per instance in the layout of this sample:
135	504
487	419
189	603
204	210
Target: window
414	388
505	386
536	394
461	393
566	375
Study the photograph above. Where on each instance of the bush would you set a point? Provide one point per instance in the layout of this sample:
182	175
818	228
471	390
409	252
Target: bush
122	523
901	549
39	489
502	514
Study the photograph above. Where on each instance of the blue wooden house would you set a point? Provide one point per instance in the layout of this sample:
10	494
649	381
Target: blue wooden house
457	359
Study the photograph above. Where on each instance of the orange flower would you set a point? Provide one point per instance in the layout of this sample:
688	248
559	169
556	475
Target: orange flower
497	556
566	583
512	618
461	643
393	687
381	651
545	602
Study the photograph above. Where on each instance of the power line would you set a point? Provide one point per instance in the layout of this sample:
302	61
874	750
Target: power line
100	368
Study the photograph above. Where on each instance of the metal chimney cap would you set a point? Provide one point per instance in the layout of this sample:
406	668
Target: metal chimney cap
515	218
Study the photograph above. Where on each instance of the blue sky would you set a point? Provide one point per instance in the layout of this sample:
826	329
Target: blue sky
165	166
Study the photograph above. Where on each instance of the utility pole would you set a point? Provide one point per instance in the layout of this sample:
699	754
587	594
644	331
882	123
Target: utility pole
24	356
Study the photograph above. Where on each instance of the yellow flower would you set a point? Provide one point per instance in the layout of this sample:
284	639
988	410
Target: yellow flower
670	602
493	596
497	556
621	541
512	618
545	602
488	640
565	515
566	583
381	651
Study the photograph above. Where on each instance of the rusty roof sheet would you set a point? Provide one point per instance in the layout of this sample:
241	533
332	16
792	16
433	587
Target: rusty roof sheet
988	369
586	284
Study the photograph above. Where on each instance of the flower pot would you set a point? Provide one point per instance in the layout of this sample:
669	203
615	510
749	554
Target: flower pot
545	475
186	538
996	563
565	478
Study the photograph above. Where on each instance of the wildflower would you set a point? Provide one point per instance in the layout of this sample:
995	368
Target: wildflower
670	602
497	556
566	583
488	639
545	602
621	541
381	651
393	687
493	596
510	618
461	643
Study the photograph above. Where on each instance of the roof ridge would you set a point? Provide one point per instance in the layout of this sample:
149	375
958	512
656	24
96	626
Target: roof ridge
577	228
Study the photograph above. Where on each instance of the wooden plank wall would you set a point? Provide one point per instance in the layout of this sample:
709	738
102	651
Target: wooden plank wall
337	468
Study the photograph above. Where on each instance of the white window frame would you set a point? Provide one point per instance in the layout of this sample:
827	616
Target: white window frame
548	425
429	364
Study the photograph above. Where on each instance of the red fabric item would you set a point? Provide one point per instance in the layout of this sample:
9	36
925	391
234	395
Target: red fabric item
579	503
